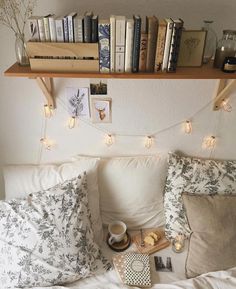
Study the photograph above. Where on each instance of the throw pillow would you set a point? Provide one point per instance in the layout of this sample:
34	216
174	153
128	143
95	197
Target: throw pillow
212	244
197	176
47	238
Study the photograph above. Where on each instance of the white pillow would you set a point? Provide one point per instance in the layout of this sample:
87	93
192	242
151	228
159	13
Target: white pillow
131	189
21	180
47	239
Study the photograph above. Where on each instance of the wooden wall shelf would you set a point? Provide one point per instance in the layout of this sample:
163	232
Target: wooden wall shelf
204	72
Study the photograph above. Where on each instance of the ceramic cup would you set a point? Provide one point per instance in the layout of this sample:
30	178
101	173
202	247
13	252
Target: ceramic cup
117	231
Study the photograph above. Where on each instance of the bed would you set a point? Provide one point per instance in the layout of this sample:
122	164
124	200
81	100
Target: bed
52	223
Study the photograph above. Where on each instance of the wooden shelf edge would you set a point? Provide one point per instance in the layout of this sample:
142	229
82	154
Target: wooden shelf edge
204	72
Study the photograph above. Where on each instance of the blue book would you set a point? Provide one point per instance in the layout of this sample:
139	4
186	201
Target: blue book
66	29
136	46
104	45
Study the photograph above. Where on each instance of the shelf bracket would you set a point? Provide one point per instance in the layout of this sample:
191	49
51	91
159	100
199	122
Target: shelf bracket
223	91
45	84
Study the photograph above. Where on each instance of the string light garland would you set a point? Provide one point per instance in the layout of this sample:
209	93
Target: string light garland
48	111
109	140
71	122
149	140
188	127
225	105
46	143
209	142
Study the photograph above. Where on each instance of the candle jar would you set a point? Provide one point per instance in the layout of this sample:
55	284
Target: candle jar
178	243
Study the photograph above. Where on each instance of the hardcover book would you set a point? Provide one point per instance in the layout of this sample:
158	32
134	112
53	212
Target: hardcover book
65	29
70	20
33	28
52	28
112	42
169	30
78	28
88	27
136	46
59	29
161	36
94	29
120	44
151	30
129	42
46	27
41	29
143	52
175	44
104	45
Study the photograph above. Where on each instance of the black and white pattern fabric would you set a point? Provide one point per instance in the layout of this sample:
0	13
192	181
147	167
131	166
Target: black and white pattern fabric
47	239
137	270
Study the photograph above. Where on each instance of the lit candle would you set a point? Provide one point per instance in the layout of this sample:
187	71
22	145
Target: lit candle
178	243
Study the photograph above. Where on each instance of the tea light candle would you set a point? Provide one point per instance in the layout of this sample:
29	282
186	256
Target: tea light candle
178	243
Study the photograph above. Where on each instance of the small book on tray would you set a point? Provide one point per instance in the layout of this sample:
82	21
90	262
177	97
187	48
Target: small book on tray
133	269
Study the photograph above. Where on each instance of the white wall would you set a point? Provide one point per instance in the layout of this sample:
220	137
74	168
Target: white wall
139	106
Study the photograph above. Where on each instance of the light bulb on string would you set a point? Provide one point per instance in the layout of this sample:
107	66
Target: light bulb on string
46	143
109	140
149	141
71	122
48	111
188	127
209	142
225	105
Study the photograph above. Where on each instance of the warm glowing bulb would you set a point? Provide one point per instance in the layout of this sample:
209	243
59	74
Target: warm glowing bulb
46	143
148	142
209	142
109	140
71	122
188	127
225	105
48	111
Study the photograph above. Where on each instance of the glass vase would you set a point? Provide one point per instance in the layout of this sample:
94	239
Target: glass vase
20	49
211	41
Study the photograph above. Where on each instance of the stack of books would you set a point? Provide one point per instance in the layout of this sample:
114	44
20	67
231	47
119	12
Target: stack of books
125	45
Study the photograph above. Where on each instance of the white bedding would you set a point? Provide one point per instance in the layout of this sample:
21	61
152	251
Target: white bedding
160	280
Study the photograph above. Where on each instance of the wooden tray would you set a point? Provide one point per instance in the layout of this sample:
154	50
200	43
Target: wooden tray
148	249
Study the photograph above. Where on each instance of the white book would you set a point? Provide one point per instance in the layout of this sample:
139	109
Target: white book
70	20
33	28
129	44
120	44
52	28
78	28
41	30
46	28
112	42
169	30
59	29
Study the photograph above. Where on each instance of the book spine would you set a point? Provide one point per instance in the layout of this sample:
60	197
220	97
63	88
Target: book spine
41	30
87	29
160	46
47	29
94	37
60	30
174	48
52	28
70	21
104	46
151	43
78	29
33	29
66	30
113	42
129	45
120	45
136	46
143	52
169	30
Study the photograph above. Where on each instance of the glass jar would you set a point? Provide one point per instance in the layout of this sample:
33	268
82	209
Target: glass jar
211	41
226	47
20	49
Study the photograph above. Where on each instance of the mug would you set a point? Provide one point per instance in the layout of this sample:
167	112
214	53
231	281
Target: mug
117	231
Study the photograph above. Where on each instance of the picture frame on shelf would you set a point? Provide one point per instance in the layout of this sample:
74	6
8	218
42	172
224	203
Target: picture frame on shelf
101	110
191	50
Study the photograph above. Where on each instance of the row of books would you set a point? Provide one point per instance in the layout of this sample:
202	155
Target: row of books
125	45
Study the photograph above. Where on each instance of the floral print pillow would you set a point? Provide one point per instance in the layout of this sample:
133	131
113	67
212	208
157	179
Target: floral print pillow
47	239
197	176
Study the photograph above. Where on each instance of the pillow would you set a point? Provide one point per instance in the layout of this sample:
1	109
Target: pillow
47	238
193	175
23	179
131	190
212	245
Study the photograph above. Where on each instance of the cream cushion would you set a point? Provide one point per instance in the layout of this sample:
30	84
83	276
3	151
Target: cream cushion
131	190
21	180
